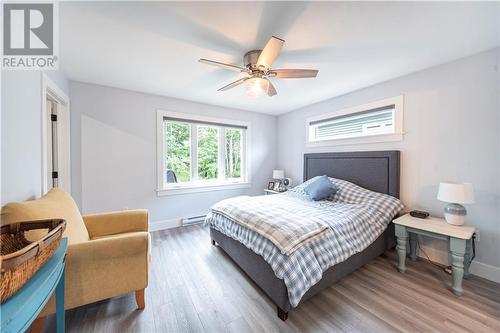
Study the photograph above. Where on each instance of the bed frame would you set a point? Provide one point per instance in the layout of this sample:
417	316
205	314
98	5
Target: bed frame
377	171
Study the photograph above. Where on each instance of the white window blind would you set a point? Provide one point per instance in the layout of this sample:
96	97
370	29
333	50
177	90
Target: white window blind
380	118
365	123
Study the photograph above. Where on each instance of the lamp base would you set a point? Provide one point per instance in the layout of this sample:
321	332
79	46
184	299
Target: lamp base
455	214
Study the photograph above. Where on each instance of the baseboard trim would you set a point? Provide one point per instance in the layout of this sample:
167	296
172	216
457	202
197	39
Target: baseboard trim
164	224
486	271
478	268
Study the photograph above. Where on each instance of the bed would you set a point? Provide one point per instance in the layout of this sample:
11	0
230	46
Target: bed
376	171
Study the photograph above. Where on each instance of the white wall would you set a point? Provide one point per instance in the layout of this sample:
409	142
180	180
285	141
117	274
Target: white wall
452	127
21	153
60	79
21	135
114	151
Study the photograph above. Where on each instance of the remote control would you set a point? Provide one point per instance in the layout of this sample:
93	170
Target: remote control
419	214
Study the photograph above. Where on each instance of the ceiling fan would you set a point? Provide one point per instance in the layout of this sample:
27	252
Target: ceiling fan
257	67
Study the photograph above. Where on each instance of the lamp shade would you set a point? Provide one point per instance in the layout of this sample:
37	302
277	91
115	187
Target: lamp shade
460	193
278	174
257	86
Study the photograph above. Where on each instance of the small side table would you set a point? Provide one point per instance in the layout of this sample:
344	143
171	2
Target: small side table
459	240
269	192
19	311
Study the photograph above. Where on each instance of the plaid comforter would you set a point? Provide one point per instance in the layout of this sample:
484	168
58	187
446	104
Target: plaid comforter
355	218
286	221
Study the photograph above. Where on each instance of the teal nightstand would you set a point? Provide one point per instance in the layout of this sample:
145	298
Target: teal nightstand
269	192
19	311
459	240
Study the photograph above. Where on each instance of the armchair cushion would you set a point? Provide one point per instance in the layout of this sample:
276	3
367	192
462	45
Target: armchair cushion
112	223
55	204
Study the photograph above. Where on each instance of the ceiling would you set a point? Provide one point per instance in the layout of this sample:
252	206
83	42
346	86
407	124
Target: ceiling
153	47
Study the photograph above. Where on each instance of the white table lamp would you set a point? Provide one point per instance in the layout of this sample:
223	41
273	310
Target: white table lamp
278	174
455	194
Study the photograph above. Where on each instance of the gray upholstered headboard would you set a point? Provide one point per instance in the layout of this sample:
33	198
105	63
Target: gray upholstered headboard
374	170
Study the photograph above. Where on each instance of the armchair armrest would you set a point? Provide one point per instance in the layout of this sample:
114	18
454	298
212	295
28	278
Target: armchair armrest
126	245
104	224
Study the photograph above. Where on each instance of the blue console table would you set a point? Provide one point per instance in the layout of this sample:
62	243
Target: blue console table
19	311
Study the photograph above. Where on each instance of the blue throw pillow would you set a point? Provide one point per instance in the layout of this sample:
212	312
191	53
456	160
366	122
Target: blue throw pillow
321	188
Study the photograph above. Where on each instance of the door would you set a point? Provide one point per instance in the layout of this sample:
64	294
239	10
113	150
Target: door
52	145
55	137
57	145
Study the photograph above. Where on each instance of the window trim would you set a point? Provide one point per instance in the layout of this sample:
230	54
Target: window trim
398	103
201	186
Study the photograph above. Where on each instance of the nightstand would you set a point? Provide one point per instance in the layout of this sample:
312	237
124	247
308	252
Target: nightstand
459	240
269	192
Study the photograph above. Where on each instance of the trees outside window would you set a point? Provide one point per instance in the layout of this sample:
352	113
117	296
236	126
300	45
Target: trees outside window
198	152
178	150
232	163
208	152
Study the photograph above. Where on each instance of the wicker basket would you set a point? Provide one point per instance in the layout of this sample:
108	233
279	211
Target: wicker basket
20	259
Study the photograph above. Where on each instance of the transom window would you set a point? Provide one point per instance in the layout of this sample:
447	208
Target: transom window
377	121
199	152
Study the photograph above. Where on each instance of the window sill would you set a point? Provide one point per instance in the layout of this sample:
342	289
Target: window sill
186	189
359	140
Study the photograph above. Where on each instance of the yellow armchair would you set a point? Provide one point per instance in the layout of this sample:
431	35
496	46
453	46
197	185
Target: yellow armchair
108	254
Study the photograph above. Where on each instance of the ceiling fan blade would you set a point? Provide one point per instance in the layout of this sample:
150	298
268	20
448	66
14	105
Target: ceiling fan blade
223	65
233	84
293	73
270	52
271	91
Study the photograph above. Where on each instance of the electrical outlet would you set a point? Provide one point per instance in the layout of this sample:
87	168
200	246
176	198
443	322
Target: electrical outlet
477	235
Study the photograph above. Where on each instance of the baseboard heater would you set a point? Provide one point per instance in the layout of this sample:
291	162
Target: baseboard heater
193	220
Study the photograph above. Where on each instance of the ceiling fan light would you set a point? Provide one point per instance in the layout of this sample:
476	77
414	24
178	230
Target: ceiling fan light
257	86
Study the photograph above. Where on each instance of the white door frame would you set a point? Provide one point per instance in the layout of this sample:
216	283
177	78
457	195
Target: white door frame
52	90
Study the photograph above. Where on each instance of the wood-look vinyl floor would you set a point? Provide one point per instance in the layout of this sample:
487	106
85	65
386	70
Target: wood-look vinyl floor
195	287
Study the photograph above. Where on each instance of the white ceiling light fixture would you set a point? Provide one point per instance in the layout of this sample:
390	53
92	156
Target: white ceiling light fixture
257	86
257	65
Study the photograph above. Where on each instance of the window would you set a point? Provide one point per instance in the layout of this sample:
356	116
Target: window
199	153
232	145
374	122
207	152
178	141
